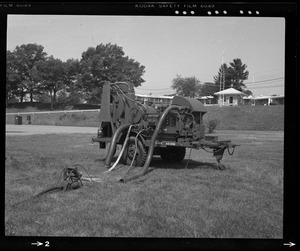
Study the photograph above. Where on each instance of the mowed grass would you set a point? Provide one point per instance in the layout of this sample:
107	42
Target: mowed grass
260	118
196	201
59	119
247	117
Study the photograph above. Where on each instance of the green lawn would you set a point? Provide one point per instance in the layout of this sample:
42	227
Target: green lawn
243	201
261	118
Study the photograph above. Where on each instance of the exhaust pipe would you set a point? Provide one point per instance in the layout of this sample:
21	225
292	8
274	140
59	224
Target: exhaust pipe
151	148
113	144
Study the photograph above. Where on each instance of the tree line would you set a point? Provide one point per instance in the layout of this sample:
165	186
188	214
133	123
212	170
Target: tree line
30	71
227	76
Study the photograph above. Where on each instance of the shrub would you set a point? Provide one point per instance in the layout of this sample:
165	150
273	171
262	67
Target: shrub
212	125
61	117
73	117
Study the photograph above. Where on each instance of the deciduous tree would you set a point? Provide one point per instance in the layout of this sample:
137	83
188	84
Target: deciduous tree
27	55
187	87
52	76
12	77
73	93
208	89
107	63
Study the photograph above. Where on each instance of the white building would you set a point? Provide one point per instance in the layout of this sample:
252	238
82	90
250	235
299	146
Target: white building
269	100
206	99
155	100
230	96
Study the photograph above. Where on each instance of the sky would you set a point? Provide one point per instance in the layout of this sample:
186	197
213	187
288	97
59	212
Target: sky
189	46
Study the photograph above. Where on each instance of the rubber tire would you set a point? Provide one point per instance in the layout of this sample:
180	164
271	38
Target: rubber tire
172	154
129	150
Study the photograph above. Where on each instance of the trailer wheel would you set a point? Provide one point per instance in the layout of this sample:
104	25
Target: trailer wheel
172	154
129	152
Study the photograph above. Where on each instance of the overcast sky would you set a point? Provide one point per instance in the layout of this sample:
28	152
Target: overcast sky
166	46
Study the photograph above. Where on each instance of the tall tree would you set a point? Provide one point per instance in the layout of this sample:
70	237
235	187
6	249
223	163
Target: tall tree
72	71
26	58
222	77
208	89
52	75
238	73
12	77
187	87
235	74
107	63
73	92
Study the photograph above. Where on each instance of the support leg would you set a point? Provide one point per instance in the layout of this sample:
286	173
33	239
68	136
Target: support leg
218	154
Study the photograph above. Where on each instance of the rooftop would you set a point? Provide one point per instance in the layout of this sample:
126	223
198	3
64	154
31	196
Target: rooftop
229	91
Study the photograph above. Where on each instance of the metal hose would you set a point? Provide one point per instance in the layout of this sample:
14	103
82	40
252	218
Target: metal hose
122	151
152	144
113	144
59	188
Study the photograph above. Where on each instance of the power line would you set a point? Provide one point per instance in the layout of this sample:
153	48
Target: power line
267	80
156	93
274	69
262	81
260	87
265	85
150	89
212	84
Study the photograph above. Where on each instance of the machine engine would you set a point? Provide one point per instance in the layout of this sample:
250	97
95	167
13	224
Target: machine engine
144	131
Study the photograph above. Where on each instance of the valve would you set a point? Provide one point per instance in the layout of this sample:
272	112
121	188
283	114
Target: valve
72	178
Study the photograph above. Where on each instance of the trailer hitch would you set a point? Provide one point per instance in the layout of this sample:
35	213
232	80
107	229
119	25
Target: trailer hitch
219	152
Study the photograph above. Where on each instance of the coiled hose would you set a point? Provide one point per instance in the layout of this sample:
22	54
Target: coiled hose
151	148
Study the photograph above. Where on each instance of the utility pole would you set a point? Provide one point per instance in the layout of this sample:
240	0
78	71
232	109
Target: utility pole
253	81
222	78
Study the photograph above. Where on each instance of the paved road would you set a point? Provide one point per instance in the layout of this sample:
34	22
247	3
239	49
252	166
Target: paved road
234	135
18	130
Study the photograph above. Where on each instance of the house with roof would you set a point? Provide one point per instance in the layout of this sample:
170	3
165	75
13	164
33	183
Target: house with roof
230	97
249	100
206	99
269	100
153	99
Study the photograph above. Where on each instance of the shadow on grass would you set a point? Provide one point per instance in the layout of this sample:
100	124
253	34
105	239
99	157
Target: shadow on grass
185	164
157	163
113	160
100	160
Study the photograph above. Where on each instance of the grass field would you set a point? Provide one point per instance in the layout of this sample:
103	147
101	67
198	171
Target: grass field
265	118
37	107
260	118
199	201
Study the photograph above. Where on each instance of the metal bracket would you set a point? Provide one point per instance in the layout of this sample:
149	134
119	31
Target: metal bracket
218	154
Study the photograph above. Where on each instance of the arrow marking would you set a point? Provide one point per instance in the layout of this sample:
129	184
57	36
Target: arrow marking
290	244
37	243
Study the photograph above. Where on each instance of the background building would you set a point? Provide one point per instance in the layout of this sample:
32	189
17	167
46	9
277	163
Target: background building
154	100
230	96
268	100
